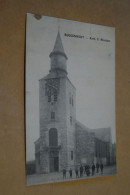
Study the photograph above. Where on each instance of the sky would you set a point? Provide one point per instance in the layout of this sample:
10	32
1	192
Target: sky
90	66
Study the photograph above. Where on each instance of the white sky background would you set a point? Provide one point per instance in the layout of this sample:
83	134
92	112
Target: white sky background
90	65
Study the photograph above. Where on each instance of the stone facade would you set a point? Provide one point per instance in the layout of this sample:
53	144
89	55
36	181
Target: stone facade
85	145
63	142
92	146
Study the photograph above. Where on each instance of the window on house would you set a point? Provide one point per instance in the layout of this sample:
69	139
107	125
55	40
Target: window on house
71	155
52	115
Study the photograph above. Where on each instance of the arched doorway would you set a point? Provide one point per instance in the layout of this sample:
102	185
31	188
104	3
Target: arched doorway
53	152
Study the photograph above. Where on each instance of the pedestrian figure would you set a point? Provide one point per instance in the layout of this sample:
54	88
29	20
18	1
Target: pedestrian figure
76	172
88	170
70	172
86	166
81	171
97	166
84	169
101	167
93	169
64	173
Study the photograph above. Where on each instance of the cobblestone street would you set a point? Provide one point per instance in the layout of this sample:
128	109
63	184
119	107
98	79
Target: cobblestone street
58	176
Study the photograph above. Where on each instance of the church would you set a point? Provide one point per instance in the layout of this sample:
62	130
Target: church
64	142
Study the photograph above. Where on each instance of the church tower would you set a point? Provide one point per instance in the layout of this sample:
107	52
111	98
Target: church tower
55	149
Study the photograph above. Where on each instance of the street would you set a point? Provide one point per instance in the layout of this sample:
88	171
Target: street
58	176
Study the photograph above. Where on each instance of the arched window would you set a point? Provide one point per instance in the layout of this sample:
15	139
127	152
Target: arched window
53	137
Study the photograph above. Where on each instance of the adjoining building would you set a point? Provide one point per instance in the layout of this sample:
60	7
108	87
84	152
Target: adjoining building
30	167
64	142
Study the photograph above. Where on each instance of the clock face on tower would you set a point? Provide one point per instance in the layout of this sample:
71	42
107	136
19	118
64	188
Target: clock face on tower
52	88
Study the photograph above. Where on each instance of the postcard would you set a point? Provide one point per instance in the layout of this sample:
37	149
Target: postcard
70	100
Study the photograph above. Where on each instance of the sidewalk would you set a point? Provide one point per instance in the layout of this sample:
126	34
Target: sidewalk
58	176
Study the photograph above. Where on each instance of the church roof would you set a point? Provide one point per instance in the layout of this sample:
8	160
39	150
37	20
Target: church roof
103	134
58	47
31	162
79	125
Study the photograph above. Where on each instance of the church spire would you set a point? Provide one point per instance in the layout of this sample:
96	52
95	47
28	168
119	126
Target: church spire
58	44
58	56
58	47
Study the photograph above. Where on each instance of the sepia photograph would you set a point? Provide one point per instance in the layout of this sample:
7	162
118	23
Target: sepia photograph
69	100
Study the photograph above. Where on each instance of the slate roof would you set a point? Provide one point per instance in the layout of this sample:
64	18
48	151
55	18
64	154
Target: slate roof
103	134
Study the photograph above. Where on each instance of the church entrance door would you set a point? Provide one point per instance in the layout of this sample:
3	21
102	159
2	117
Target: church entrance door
54	162
54	151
